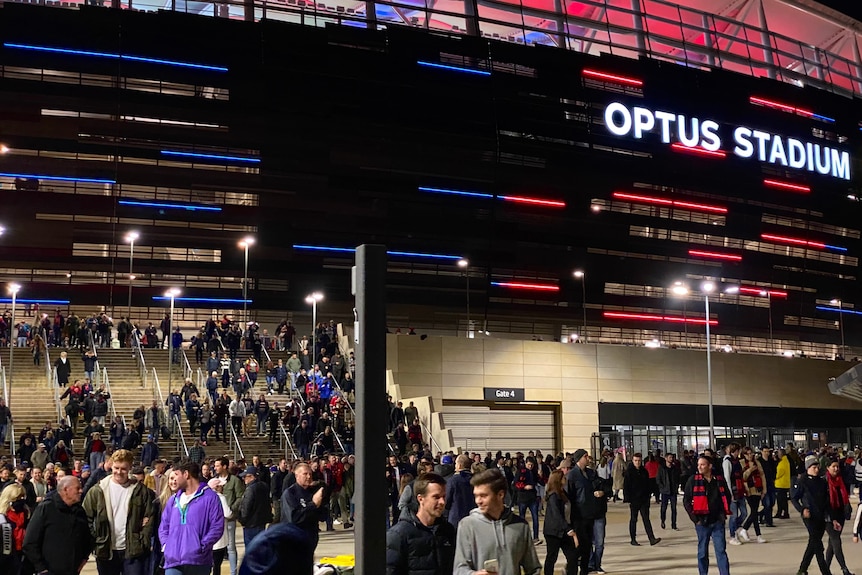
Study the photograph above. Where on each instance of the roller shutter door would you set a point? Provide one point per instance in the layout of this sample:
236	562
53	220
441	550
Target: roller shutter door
483	428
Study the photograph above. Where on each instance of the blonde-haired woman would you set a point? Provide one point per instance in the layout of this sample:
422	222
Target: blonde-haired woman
169	487
13	523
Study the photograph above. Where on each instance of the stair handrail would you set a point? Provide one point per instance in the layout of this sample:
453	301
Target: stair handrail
266	354
181	439
430	437
201	382
107	384
187	367
157	388
344	396
98	370
48	366
57	402
234	444
287	443
338	439
139	356
11	431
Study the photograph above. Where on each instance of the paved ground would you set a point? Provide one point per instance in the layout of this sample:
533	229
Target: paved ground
675	555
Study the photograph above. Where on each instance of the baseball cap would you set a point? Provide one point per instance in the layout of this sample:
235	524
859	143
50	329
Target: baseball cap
250	470
446	460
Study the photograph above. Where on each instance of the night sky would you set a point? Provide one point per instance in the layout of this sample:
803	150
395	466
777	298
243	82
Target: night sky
850	7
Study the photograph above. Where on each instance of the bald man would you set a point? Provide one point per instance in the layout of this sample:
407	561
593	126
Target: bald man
58	539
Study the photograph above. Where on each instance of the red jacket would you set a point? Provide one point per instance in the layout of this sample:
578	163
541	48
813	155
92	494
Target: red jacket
652	468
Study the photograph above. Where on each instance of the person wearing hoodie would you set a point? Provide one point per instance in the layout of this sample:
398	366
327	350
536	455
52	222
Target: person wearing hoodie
492	539
192	523
783	474
810	497
57	540
459	492
122	548
422	543
445	468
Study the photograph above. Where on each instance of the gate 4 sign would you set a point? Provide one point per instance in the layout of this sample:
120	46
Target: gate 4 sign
504	394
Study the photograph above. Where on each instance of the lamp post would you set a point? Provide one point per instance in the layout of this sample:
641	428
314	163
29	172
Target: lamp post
583	277
13	289
313	298
464	264
131	237
171	293
837	302
246	243
706	288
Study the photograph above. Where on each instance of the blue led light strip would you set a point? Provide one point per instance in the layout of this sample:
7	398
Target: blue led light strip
824	118
189	207
454	192
202	299
391	252
837	248
210	156
454	68
114	56
838	310
57	178
45	301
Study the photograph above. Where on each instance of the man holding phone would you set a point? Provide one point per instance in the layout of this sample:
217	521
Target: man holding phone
409	541
491	539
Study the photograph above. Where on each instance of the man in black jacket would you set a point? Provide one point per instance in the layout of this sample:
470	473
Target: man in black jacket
277	487
668	479
58	538
637	489
810	497
584	500
302	503
254	509
770	469
422	543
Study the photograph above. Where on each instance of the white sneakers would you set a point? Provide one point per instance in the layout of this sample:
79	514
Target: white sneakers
760	539
742	535
734	541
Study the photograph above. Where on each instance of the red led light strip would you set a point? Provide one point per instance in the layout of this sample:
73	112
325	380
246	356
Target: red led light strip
518	285
698	150
596	75
787	186
534	201
651	317
715	255
795	241
666	202
758	291
780	106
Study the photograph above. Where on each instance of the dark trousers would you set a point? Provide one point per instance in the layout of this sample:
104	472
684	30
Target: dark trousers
665	501
119	564
816	527
781	496
753	517
834	547
218	559
220	424
768	502
567	545
643	510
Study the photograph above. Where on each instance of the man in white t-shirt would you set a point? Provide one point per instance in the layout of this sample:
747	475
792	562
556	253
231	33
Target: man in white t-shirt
121	515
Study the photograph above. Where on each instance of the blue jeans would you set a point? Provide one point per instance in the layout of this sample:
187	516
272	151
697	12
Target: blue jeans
231	546
599	526
249	533
737	517
534	509
719	543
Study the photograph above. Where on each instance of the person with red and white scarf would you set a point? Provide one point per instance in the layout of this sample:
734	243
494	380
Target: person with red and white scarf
707	502
839	512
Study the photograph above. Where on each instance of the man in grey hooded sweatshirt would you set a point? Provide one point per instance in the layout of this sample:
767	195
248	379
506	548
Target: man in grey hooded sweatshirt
491	539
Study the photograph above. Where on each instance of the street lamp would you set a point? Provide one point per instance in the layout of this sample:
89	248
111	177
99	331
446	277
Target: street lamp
840	304
583	277
171	293
13	289
245	243
131	237
464	264
706	288
313	298
2	229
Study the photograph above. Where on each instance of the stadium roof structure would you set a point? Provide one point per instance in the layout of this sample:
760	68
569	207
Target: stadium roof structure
800	42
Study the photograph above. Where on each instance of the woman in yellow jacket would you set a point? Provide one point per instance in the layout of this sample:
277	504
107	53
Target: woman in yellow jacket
782	484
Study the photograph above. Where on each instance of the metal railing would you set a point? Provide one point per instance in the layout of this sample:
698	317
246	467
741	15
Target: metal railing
107	383
96	367
139	356
10	428
187	367
201	380
431	439
57	403
234	444
286	443
48	365
157	388
181	438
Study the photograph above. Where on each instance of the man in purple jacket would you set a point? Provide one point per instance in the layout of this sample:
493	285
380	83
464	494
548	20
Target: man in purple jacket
192	522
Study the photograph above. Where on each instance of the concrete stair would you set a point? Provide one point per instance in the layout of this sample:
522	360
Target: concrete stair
30	399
